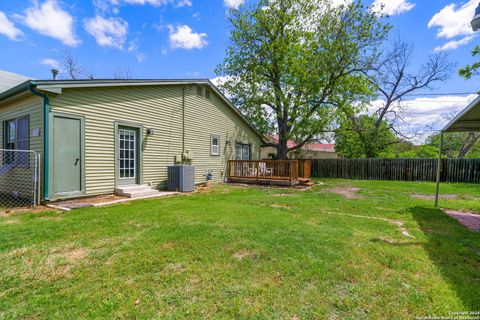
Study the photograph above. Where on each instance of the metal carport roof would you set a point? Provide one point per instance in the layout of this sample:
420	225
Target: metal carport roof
467	120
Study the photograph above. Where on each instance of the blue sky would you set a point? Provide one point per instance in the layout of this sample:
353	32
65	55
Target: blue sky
188	38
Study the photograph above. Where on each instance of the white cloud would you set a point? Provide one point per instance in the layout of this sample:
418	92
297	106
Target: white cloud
155	3
140	57
51	20
183	37
219	81
184	3
112	6
453	20
105	6
392	7
454	44
233	4
133	48
425	115
8	29
108	32
51	63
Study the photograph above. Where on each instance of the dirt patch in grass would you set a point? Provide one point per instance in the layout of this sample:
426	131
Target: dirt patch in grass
432	197
11	211
246	254
282	195
398	223
395	242
349	193
9	221
402	228
168	245
174	268
60	262
70	254
36	263
205	188
281	206
89	201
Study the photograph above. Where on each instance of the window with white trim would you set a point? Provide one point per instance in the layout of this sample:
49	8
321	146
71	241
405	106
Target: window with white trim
242	151
215	146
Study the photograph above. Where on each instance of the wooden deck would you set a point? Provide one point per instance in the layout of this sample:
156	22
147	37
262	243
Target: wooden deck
275	172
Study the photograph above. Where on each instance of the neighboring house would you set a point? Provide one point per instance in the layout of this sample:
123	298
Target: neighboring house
9	80
308	151
96	135
318	151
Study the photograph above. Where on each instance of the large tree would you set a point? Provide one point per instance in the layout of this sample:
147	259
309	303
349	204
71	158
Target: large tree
393	81
458	144
349	144
291	62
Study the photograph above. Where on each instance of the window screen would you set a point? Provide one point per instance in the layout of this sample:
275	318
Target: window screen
215	146
16	135
16	138
242	151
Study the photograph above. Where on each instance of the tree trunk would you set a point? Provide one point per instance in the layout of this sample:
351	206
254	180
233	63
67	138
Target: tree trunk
282	150
472	138
282	147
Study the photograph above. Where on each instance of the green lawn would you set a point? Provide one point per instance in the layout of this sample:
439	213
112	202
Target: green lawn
246	253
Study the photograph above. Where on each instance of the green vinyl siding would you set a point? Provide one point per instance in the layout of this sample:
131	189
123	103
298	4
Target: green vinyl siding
159	108
31	106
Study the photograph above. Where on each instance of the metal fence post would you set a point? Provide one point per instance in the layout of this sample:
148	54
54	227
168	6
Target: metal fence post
439	169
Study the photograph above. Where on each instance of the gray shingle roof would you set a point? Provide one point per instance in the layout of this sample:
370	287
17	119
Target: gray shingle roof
9	80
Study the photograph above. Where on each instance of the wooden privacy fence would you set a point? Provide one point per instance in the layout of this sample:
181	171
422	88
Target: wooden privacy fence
453	170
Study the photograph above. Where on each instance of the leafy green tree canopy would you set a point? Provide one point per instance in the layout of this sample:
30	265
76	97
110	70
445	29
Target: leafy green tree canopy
291	62
458	144
349	144
474	69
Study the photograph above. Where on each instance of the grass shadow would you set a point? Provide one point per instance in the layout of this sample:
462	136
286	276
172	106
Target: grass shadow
454	250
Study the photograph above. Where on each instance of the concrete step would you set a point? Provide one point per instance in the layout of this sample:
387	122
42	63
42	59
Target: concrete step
136	191
141	194
130	188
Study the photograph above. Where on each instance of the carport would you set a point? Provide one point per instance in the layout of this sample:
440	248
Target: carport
467	121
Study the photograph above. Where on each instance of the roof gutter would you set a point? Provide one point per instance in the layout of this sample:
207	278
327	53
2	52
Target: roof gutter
22	87
46	118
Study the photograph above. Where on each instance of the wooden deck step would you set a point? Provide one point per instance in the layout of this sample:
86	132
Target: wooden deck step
305	182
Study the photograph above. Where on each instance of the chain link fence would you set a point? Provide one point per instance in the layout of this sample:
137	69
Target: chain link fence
19	178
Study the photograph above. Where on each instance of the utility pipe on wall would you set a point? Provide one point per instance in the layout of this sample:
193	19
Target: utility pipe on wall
46	115
183	122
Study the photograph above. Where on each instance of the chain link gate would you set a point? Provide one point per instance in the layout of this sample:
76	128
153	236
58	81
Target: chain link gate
19	178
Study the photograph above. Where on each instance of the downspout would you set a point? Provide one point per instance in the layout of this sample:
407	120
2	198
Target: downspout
46	111
183	123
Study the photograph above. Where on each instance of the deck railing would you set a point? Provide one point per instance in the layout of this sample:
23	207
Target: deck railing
286	171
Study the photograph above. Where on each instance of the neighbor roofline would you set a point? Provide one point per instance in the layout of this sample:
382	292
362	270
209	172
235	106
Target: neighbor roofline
56	86
472	105
22	87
